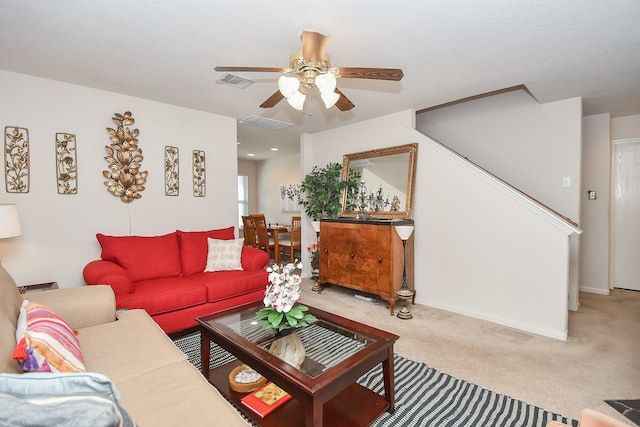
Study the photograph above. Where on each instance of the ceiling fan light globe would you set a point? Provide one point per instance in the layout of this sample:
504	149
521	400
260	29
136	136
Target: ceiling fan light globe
296	100
329	99
288	85
326	83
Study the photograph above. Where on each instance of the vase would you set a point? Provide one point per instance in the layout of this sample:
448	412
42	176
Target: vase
315	261
288	347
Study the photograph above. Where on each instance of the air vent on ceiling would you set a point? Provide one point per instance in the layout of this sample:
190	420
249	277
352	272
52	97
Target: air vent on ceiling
264	122
235	81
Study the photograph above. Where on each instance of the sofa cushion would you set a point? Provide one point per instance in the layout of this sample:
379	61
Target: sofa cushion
61	383
194	248
224	255
144	257
177	395
162	295
127	348
46	342
60	399
228	284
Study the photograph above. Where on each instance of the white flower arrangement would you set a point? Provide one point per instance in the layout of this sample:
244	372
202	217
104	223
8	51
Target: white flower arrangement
280	297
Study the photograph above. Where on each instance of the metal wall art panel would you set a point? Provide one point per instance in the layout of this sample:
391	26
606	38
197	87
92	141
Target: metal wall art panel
16	159
66	166
124	178
171	171
199	174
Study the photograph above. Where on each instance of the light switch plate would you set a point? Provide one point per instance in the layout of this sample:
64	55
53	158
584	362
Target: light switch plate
566	181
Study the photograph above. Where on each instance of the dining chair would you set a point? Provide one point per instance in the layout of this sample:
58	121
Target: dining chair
264	242
294	243
249	231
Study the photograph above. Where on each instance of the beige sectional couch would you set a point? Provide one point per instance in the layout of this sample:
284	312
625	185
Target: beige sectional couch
157	384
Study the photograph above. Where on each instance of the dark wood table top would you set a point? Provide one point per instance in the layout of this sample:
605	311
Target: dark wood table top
312	391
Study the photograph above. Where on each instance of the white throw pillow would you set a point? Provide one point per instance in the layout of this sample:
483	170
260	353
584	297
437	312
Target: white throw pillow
224	255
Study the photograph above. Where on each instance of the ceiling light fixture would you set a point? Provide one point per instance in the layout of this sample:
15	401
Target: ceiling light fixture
294	89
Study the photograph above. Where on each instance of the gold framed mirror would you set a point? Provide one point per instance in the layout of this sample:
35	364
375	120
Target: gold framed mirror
386	181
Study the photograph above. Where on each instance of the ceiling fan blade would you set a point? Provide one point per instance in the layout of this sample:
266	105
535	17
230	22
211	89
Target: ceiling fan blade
251	69
272	100
314	46
344	103
394	74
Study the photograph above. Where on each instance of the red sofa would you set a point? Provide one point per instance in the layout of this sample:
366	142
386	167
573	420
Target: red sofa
164	275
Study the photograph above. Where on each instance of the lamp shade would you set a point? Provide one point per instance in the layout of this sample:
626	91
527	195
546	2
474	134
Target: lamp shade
326	83
316	226
404	231
297	100
288	85
9	222
329	99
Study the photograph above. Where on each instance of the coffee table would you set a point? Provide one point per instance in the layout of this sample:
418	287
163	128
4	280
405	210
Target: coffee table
324	388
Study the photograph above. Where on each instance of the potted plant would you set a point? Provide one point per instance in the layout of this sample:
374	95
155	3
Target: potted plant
322	189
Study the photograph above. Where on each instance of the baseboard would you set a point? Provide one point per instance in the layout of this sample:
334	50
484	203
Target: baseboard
559	335
598	291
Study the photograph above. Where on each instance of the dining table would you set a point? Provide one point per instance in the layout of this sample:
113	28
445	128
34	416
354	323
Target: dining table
276	231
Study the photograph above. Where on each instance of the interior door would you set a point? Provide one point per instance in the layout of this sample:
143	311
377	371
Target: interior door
625	218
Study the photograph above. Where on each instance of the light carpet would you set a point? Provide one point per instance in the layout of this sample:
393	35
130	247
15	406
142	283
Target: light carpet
424	396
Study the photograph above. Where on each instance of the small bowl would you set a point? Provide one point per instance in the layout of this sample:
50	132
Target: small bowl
244	387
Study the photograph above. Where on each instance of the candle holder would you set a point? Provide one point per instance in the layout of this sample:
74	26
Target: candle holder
404	294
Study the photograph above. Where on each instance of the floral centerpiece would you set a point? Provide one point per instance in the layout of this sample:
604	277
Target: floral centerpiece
281	311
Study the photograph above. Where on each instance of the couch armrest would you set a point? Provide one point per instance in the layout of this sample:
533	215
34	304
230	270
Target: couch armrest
253	259
80	307
591	418
101	272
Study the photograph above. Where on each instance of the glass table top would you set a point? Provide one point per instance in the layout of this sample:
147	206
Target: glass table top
326	344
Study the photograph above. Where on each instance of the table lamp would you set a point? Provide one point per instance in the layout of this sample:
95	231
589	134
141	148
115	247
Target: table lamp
405	294
9	221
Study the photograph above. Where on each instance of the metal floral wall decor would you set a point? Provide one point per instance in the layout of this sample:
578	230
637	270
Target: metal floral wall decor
199	174
171	171
124	178
66	166
16	159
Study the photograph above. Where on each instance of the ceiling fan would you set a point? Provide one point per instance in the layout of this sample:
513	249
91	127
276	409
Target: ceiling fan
311	67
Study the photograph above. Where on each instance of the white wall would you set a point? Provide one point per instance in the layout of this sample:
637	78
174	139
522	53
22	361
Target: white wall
594	221
475	253
271	175
627	127
58	237
483	252
529	145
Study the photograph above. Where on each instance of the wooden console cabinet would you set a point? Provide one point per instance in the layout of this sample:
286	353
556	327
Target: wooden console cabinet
366	255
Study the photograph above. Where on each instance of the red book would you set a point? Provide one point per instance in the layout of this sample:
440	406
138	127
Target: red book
266	399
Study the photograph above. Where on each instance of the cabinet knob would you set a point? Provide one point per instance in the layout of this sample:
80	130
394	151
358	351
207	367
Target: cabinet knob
379	260
353	255
326	251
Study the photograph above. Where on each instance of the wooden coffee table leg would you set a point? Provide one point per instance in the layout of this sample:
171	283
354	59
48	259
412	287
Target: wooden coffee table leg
205	354
389	382
313	413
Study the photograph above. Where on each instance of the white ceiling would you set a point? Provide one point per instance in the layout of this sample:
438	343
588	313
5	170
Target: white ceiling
165	50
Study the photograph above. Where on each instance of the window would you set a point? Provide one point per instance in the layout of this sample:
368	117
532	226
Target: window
243	198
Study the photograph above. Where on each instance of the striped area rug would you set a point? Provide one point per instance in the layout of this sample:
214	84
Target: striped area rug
425	397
